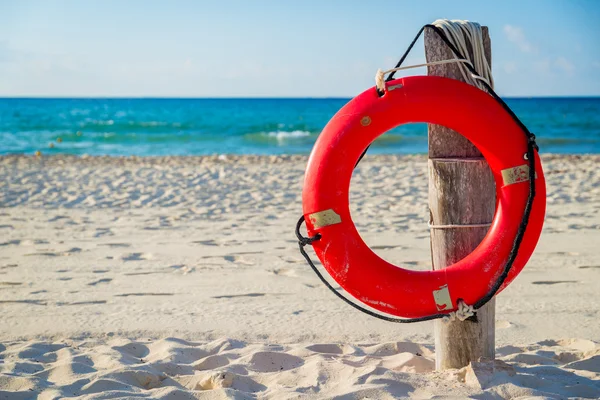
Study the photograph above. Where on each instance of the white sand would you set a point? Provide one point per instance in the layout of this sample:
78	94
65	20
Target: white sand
181	278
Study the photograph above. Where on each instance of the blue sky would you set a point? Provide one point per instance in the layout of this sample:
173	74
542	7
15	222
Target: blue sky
278	48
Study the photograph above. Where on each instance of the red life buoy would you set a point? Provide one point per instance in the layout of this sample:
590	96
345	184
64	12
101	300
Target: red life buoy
325	197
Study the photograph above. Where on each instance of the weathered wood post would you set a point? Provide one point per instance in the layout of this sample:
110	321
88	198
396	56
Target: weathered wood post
461	192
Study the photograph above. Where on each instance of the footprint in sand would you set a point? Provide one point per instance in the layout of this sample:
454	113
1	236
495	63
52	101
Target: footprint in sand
408	362
215	380
531	358
41	352
292	260
69	252
414	263
211	362
393	348
42	254
103	232
231	296
284	272
57	218
576	344
103	280
141	273
271	361
568	357
206	242
502	324
182	269
115	244
15	242
328	349
82	303
238	260
508	350
565	253
36	302
31	242
137	257
10	283
384	247
221	379
135	349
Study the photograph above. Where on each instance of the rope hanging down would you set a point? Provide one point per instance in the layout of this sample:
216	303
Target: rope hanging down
454	34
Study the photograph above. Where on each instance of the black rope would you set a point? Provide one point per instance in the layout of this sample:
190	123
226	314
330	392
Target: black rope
531	148
303	241
408	50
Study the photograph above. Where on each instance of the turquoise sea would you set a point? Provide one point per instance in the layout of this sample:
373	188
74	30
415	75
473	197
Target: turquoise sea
147	127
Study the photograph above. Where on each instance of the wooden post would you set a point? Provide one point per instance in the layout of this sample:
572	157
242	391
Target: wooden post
461	191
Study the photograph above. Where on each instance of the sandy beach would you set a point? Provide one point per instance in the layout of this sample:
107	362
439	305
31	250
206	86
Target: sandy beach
180	278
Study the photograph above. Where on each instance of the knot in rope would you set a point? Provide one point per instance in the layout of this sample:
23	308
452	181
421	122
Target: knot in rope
463	312
303	240
380	80
309	240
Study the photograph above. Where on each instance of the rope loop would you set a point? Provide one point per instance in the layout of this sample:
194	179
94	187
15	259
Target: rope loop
303	240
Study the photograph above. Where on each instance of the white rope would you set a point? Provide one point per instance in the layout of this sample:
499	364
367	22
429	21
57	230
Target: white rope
380	75
458	33
463	312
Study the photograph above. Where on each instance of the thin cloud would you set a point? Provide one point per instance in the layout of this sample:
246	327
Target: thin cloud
516	35
10	54
564	65
542	66
554	67
510	67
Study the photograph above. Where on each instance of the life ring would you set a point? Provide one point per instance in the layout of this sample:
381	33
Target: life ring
325	197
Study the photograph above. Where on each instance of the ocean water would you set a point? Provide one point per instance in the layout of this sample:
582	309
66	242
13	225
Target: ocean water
147	127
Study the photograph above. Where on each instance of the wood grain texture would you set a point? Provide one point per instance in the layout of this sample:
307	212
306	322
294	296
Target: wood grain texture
460	192
444	142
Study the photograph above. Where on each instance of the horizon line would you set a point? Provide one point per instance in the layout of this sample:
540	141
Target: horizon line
253	98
